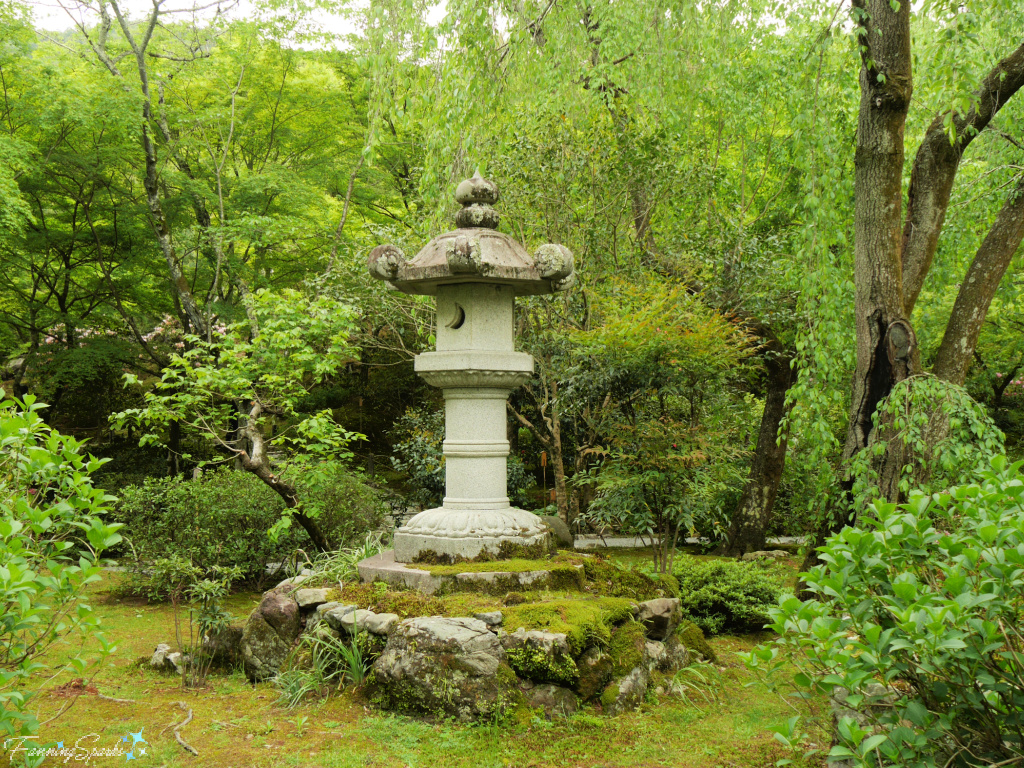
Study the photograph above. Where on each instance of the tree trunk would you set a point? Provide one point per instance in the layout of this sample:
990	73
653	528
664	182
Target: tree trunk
979	286
754	514
257	462
886	345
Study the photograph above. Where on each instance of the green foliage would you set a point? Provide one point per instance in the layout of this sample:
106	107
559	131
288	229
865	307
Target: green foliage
727	595
52	538
340	566
937	433
917	615
223	518
196	594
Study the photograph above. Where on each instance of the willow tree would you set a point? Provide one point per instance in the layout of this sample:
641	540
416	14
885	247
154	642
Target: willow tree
894	247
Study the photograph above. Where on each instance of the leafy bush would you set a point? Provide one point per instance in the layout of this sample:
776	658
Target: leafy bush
52	536
917	617
223	518
727	595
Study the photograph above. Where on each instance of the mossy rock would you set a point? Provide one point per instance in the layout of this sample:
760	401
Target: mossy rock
595	672
609	579
543	657
692	637
584	622
627	648
508	550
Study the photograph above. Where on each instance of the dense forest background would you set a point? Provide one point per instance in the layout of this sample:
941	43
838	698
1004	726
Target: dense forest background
796	232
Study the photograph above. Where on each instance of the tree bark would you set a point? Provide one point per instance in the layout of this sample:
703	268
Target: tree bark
936	165
979	286
256	461
753	515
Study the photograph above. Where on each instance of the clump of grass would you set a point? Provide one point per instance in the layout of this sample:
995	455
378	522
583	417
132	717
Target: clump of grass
340	566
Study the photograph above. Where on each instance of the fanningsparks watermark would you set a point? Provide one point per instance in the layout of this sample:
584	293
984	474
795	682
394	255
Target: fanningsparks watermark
84	750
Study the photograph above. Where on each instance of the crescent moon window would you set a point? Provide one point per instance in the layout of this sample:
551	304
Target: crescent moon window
459	319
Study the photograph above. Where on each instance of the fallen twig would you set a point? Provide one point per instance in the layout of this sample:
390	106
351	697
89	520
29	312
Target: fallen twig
177	736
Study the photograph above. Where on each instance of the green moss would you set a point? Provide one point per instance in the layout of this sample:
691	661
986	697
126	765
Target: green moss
584	622
670	584
609	579
535	664
627	648
611	693
692	637
595	673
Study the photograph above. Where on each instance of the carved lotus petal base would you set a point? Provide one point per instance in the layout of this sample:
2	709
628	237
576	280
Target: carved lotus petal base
466	532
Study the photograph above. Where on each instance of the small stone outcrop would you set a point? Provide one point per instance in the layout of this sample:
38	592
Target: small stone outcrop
270	633
542	657
166	660
554	700
626	692
448	667
661	616
595	668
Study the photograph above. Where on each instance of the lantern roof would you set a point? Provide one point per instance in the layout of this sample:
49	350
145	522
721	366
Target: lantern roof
475	252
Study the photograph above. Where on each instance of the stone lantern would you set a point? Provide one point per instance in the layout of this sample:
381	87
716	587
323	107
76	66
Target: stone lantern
475	272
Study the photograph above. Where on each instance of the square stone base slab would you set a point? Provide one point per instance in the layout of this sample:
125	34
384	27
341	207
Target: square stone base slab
409	546
383	567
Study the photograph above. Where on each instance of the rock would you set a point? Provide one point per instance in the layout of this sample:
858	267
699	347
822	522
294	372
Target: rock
164	660
159	659
555	700
310	598
655	654
263	650
559	530
281	612
491	619
595	668
224	647
446	667
540	656
356	620
380	623
627	692
333	617
765	554
660	616
676	655
177	662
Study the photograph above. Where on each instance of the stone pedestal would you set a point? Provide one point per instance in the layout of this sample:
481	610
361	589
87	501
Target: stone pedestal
476	273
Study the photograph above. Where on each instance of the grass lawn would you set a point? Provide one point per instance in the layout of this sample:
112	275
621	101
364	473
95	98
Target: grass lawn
237	724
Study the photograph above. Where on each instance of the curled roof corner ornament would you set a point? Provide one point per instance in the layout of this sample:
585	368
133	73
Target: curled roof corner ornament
475	252
385	262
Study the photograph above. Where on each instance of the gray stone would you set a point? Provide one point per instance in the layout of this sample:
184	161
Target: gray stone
281	612
334	616
159	658
380	623
491	619
355	620
446	667
660	617
543	657
627	692
655	652
263	650
178	662
310	598
765	554
555	700
676	656
559	530
270	633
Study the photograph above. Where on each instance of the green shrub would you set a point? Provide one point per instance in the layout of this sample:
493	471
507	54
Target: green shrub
222	519
917	615
52	536
726	595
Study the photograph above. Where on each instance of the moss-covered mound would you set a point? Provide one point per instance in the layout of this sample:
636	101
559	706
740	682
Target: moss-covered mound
584	621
